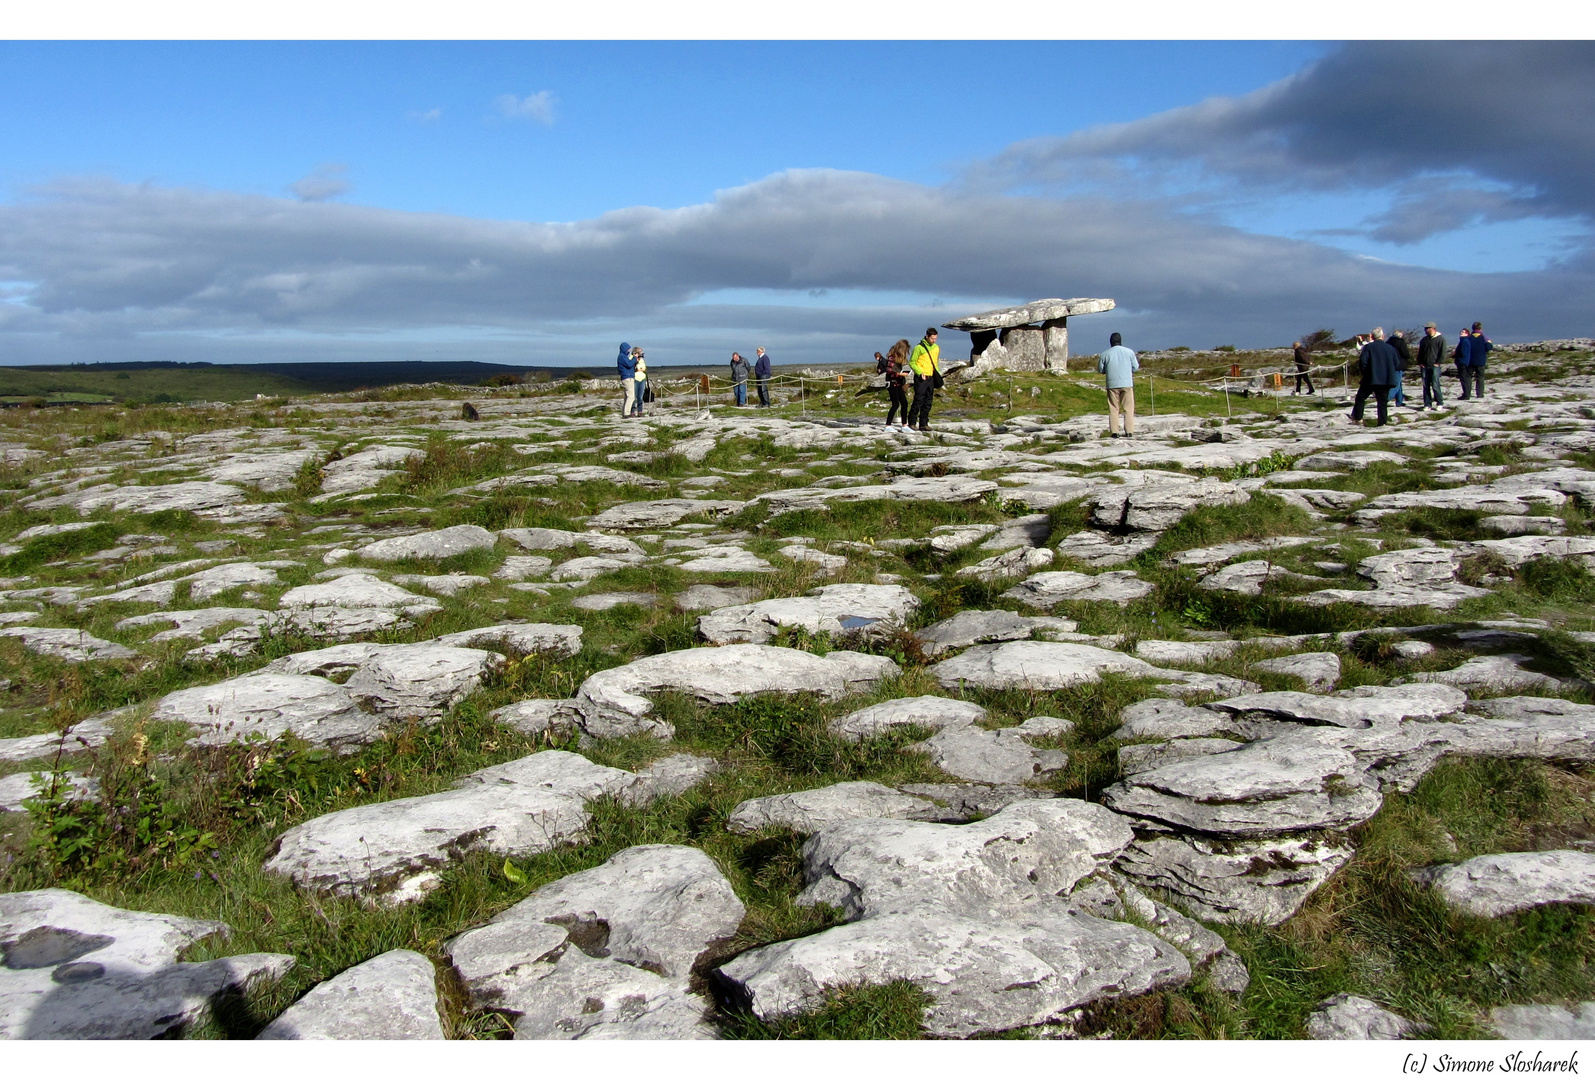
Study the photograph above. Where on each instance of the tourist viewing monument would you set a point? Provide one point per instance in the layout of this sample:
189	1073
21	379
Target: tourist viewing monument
467	572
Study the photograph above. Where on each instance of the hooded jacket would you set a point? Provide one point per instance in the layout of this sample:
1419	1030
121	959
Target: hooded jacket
739	369
925	359
1462	353
625	364
1431	350
1479	350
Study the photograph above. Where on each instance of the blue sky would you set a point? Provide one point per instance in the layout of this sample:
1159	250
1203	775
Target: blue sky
524	202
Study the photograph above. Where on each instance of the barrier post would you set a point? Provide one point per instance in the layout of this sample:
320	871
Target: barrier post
1151	396
1227	411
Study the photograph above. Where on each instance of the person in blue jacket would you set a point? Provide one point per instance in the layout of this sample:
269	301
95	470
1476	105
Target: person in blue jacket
1461	355
1119	365
1479	348
626	364
761	375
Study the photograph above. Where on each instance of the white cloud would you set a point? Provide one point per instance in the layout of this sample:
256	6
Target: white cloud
324	182
427	116
538	107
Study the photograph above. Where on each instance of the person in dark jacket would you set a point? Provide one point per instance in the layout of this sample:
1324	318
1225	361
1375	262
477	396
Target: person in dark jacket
1378	364
1431	354
1398	342
1461	354
1304	361
895	368
1478	352
739	378
761	374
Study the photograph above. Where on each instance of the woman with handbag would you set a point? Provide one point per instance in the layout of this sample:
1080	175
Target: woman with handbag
925	363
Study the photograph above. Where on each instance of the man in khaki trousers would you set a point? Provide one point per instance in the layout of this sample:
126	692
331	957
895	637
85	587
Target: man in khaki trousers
1119	365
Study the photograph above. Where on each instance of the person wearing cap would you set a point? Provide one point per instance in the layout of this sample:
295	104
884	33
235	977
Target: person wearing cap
1479	348
925	363
1119	365
1431	352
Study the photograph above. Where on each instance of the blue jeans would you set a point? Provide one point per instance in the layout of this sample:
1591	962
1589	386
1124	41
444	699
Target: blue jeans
741	389
1398	396
1431	386
638	388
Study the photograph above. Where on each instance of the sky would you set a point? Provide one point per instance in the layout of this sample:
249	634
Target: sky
537	202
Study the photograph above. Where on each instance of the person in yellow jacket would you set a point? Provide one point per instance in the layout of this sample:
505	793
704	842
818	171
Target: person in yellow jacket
925	363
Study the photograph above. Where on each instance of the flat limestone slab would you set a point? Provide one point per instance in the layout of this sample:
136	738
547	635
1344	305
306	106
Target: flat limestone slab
391	996
808	811
1492	885
1263	881
1041	665
607	952
1034	312
67	644
927	711
1273	786
1544	1022
833	609
612	702
392	851
1052	587
79	969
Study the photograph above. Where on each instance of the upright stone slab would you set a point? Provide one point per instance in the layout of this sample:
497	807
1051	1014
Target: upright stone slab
1026	352
1055	345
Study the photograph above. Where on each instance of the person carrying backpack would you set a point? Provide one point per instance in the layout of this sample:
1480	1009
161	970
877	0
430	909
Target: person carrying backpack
894	366
925	363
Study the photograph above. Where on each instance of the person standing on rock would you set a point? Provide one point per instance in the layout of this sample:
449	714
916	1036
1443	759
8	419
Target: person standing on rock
1378	362
1119	365
1304	363
1478	352
1461	355
1431	353
761	372
739	378
626	364
925	363
640	382
1398	342
896	371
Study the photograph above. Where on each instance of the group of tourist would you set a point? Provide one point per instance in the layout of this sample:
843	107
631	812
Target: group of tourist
923	362
633	368
1381	365
760	370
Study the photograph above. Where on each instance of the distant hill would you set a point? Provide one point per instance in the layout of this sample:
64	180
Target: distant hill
156	381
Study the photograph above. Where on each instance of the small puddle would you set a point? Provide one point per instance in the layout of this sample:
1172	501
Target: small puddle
855	622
